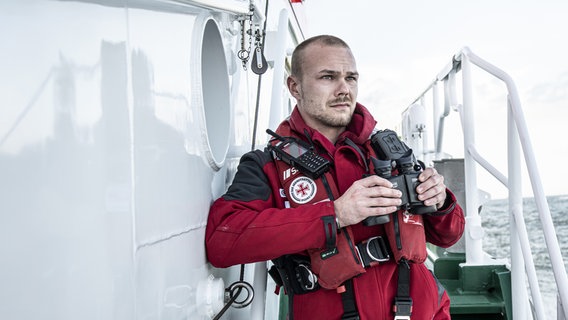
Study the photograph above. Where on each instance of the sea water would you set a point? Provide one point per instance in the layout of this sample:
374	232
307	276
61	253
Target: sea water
495	220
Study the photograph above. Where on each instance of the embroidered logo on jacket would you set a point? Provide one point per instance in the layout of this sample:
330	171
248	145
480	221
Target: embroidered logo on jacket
411	218
302	190
288	173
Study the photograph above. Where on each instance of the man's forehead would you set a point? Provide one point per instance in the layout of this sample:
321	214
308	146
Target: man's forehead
319	47
330	59
337	72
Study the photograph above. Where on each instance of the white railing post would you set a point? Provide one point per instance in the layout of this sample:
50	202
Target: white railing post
521	257
474	232
518	286
549	232
437	120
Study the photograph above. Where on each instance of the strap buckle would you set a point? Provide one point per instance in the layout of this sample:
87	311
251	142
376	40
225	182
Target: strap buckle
351	316
402	308
306	278
372	251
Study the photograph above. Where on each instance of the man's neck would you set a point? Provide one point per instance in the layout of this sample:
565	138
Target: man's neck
331	133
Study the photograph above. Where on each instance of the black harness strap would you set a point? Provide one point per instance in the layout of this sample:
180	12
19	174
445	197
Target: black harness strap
349	306
354	146
330	229
327	187
329	223
350	311
402	307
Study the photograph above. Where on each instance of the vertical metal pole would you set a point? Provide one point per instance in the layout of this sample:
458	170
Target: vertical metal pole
541	203
559	310
279	57
259	283
544	211
473	232
436	120
447	100
518	286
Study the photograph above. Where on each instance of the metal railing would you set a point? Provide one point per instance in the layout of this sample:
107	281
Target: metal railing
517	139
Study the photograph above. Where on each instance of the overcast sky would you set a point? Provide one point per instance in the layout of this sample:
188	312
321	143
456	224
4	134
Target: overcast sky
400	47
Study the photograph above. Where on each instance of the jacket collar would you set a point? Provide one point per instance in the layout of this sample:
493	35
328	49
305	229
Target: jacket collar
359	129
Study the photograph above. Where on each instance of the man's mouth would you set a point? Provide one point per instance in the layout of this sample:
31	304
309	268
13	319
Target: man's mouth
340	103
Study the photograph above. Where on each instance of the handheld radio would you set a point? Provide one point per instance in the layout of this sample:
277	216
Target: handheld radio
298	154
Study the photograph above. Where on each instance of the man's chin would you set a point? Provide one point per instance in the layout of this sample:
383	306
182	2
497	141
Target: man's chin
341	122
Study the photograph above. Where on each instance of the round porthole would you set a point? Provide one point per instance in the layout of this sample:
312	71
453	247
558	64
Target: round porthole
213	92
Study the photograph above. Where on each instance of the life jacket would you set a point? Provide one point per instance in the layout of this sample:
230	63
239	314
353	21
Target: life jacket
405	231
338	261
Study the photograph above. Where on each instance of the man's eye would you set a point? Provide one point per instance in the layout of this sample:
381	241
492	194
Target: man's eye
328	77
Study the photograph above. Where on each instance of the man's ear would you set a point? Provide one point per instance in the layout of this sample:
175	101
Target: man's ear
293	87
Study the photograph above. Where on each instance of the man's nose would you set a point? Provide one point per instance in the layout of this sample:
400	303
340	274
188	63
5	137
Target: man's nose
342	88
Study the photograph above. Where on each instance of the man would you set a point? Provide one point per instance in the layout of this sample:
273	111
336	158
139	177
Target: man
274	210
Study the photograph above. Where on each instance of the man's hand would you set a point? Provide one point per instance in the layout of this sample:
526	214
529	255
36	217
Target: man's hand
432	190
370	196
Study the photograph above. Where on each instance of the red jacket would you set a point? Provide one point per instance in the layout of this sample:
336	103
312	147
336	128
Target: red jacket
250	223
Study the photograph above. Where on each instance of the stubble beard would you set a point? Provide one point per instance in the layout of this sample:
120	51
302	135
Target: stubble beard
336	120
327	116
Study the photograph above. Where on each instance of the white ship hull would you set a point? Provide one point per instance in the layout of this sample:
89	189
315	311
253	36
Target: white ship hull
120	122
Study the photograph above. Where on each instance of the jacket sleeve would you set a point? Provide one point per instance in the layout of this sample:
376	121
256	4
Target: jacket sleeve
445	227
249	222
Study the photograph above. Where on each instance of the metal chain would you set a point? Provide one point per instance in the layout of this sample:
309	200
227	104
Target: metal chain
244	53
258	38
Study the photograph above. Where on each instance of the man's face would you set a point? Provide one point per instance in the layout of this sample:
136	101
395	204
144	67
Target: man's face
326	91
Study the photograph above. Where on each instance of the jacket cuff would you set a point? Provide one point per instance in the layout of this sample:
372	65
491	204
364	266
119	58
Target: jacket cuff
449	205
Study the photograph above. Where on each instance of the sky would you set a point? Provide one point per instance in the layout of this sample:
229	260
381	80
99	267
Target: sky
400	47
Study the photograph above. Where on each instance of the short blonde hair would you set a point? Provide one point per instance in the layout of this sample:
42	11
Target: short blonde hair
298	57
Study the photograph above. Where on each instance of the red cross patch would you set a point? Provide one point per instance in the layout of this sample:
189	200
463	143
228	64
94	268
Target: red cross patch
302	190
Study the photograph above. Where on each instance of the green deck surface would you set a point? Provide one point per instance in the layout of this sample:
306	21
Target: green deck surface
476	291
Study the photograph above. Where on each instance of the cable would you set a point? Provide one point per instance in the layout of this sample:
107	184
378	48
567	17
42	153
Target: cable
253	145
241	284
